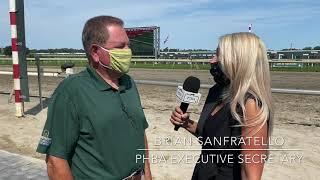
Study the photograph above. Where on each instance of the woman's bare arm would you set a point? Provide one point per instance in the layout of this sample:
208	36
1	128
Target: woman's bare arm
255	157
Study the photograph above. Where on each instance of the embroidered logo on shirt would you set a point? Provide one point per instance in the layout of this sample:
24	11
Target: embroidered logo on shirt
44	139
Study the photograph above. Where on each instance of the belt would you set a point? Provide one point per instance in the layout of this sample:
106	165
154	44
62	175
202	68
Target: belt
137	175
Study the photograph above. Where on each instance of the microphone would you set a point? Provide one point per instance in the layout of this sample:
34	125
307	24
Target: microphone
188	94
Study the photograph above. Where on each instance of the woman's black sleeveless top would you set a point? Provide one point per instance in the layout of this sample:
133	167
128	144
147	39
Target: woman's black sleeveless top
219	159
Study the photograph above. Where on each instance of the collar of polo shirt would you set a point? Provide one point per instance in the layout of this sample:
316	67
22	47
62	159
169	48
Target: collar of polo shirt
124	81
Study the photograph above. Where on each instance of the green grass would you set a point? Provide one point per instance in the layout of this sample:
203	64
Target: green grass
170	66
78	63
81	63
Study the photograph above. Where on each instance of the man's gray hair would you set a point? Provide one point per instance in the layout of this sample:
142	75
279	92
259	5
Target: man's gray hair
94	31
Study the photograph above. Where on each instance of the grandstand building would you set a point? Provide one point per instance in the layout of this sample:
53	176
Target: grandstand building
289	54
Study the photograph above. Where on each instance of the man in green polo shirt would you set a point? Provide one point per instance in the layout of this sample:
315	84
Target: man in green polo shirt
95	127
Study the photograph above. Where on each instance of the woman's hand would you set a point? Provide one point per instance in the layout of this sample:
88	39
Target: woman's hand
179	118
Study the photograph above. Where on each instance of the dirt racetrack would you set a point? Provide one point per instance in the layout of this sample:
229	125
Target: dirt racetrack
297	120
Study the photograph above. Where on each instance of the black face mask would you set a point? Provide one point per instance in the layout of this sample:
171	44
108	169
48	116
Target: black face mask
218	76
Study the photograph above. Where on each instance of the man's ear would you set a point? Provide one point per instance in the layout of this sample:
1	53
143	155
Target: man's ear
94	53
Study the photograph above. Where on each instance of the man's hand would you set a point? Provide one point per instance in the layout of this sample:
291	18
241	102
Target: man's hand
58	169
147	171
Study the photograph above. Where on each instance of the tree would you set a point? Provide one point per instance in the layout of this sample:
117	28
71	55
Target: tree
317	48
27	51
7	51
307	48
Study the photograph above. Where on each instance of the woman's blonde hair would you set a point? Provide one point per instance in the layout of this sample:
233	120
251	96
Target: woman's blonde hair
244	61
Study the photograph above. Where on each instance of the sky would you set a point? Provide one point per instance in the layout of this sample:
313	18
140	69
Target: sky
190	24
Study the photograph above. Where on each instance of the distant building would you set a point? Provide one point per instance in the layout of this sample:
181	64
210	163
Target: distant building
288	54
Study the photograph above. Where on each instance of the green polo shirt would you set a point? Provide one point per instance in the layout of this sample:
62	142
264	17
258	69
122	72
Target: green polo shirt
96	128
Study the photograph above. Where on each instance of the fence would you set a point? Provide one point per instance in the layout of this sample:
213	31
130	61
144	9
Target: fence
174	84
167	63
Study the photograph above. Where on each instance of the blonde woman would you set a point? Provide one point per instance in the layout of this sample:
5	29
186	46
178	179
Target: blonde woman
236	120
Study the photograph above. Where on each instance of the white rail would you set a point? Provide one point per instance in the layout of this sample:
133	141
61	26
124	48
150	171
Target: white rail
47	74
207	86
